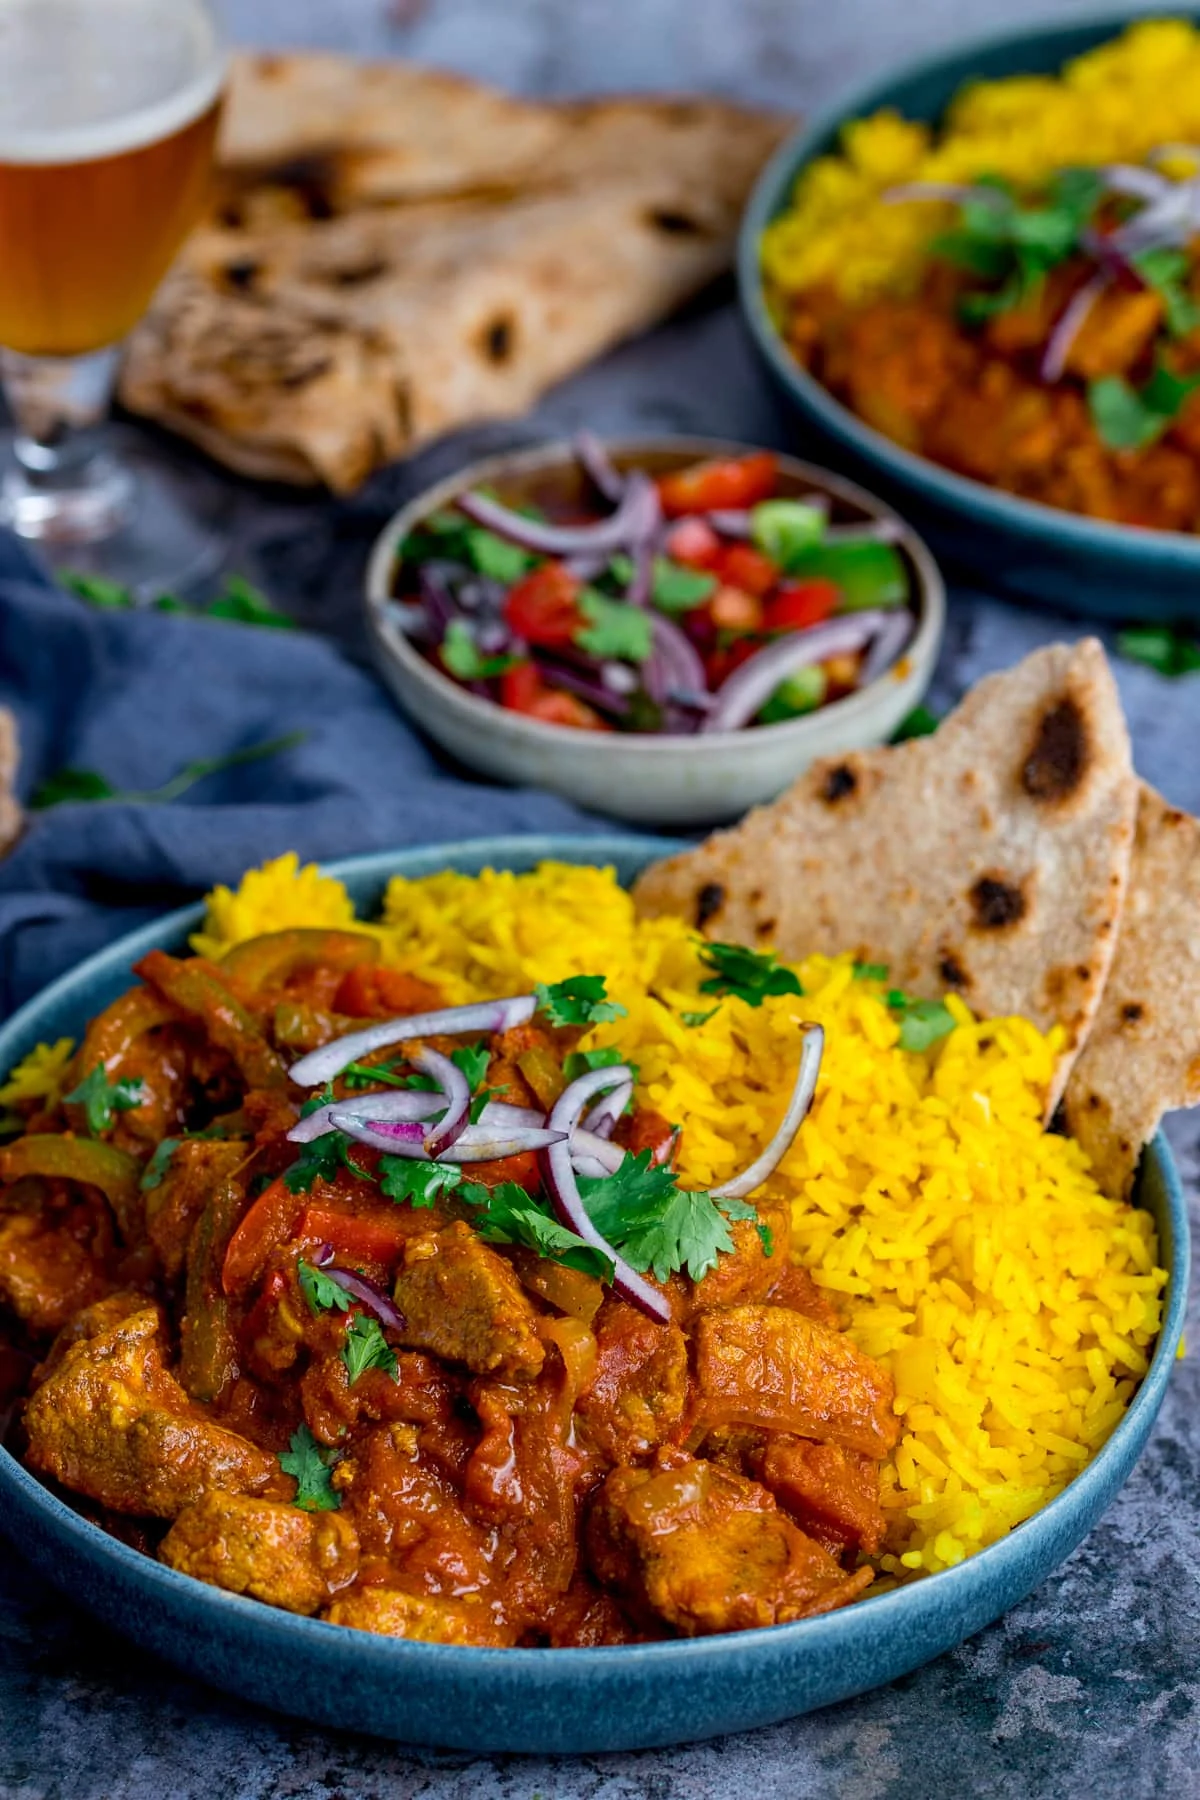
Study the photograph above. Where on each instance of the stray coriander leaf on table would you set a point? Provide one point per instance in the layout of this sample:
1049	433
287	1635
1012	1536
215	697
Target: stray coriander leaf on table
614	628
365	1347
922	1022
87	784
310	1464
579	1000
419	1183
509	1215
71	784
241	603
156	1169
1159	647
463	658
102	1099
753	975
322	1294
920	722
97	590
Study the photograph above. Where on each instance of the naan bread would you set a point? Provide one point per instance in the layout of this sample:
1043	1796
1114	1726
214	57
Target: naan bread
1142	1058
989	859
11	819
395	252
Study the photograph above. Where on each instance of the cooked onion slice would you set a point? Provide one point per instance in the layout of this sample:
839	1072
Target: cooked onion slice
567	1201
390	1104
367	1293
488	1015
811	1052
476	1143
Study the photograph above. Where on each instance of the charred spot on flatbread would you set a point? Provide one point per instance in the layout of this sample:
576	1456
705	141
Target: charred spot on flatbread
498	338
241	274
1060	753
765	928
997	903
674	222
1132	1012
951	970
709	901
838	783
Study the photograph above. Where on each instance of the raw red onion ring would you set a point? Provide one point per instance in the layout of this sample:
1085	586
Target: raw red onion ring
751	686
634	519
323	1065
368	1293
768	1161
392	1103
476	1143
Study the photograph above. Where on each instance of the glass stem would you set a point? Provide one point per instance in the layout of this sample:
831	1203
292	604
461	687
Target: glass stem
63	485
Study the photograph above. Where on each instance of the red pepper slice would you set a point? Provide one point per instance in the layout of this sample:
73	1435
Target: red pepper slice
270	1221
543	606
797	604
719	486
520	686
360	1237
269	961
374	993
196	989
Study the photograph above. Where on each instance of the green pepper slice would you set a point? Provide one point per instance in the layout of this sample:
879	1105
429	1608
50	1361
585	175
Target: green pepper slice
868	573
269	961
208	1359
88	1162
196	989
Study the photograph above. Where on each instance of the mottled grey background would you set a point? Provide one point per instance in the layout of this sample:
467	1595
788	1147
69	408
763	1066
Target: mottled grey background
1092	1687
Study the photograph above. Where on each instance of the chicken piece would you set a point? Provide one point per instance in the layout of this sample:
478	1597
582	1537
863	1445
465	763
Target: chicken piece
749	1271
462	1301
706	1550
427	1618
112	1423
584	1618
832	1494
776	1370
408	1513
92	1322
197	1166
46	1275
1116	333
638	1389
264	1548
795	1288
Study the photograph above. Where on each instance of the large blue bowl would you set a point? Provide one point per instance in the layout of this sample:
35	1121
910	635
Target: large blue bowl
1036	552
573	1701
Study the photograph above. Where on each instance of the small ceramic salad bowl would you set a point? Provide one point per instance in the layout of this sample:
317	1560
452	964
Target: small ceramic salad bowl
667	630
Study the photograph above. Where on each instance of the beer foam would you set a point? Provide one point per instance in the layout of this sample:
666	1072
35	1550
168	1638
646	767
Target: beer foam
83	79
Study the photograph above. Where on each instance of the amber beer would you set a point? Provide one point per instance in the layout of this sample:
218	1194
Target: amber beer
108	116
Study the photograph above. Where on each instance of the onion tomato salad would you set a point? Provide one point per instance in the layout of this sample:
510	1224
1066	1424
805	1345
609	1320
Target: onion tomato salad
704	599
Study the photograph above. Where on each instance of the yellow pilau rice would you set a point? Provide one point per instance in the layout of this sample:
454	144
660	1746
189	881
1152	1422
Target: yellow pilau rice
1114	104
1014	1304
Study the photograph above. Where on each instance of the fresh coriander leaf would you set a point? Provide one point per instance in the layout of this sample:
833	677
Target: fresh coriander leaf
579	1000
242	603
632	1199
315	1102
1159	647
473	1060
419	1183
366	1075
365	1347
509	1215
581	1062
102	1099
322	1294
691	1234
766	1238
1167	271
494	557
311	1463
156	1169
1129	419
481	1098
614	628
753	975
677	589
785	530
694	1019
168	603
462	656
870	971
920	722
109	596
320	1161
71	784
922	1022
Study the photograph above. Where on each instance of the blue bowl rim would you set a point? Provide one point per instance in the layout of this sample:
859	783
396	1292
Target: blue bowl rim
828	1634
960	493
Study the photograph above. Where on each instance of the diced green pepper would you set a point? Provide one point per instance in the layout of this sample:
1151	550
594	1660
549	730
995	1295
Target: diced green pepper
208	1362
868	573
785	529
801	693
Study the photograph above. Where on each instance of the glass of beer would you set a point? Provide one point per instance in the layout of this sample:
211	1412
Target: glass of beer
108	120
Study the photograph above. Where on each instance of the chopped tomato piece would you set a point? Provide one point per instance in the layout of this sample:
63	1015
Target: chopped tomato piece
742	566
694	543
375	993
554	708
543	607
720	663
372	1237
718	486
520	686
270	1221
730	609
522	1169
798	604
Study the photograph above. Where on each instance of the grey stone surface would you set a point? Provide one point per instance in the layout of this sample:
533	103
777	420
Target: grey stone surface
1092	1686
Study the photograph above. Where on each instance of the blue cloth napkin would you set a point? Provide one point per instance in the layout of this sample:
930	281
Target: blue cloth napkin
135	696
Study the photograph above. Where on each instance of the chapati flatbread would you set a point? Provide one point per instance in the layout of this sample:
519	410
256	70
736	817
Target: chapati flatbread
989	859
1142	1058
396	252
